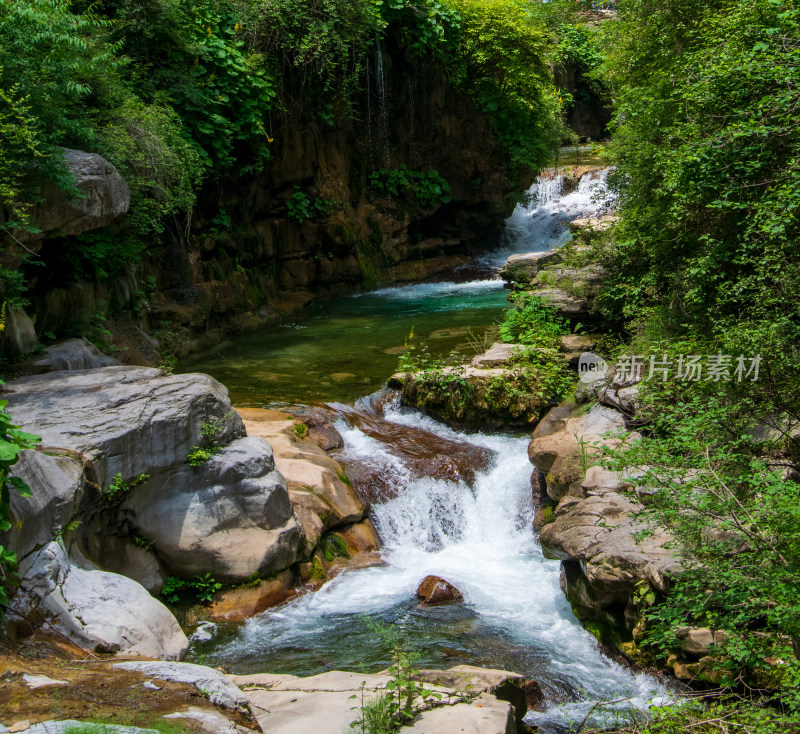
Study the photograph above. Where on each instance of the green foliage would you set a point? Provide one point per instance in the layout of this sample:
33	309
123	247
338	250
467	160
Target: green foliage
12	441
426	188
300	429
211	431
322	42
199	589
709	202
533	321
719	483
500	57
162	167
118	488
423	27
332	546
302	207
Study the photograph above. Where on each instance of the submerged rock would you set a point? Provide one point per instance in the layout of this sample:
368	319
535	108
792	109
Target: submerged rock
434	590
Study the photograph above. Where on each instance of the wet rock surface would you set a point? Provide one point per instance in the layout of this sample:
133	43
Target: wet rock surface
434	591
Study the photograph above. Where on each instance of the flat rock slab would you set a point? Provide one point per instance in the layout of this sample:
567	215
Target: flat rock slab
497	355
64	727
73	354
211	721
321	704
211	683
484	715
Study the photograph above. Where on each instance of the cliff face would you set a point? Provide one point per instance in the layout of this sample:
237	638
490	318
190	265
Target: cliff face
252	254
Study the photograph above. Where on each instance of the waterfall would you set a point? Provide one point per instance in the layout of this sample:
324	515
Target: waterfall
544	222
383	114
479	538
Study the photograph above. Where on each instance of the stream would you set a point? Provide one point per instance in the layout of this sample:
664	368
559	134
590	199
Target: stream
475	530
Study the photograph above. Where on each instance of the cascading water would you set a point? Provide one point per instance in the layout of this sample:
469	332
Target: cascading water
479	538
543	223
383	113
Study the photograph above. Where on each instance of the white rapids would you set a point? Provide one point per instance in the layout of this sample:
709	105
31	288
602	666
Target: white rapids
481	540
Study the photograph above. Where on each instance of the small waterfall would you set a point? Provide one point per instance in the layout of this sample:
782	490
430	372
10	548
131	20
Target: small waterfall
479	538
544	222
412	89
370	142
383	114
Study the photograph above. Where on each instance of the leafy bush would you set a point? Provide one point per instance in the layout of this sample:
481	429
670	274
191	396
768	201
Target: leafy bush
500	59
714	460
118	488
12	441
199	589
533	321
426	188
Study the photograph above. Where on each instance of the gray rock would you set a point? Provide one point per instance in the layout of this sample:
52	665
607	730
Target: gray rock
496	356
57	484
230	516
484	715
564	440
502	684
96	610
597	536
74	354
41	681
321	704
105	197
523	268
210	721
126	557
19	335
211	683
596	224
130	420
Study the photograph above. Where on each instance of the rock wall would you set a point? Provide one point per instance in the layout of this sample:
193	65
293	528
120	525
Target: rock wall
242	260
611	569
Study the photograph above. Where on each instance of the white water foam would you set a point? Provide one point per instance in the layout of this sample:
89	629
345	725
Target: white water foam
482	541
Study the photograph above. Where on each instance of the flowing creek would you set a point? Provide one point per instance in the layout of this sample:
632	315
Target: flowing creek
474	530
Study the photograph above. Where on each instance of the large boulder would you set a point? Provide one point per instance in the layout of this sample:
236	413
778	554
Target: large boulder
19	334
57	483
320	494
100	611
523	268
104	197
127	420
230	516
606	555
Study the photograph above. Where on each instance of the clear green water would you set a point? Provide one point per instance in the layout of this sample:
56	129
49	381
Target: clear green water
346	348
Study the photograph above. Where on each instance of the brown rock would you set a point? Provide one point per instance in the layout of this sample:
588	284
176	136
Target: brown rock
434	591
239	604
